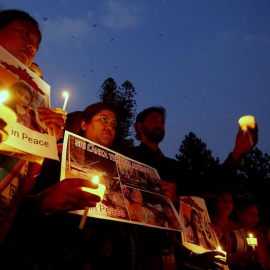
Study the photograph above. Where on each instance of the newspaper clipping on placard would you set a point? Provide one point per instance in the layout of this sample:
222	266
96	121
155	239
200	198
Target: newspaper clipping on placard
198	234
132	193
27	92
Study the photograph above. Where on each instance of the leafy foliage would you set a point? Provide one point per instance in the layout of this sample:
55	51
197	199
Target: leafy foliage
123	96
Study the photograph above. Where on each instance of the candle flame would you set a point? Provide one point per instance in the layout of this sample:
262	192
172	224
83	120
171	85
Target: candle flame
65	94
250	235
95	179
219	248
3	96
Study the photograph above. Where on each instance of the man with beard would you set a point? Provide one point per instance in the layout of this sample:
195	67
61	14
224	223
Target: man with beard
161	248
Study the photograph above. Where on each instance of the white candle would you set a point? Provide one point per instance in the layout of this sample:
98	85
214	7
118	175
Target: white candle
98	191
252	241
8	117
65	94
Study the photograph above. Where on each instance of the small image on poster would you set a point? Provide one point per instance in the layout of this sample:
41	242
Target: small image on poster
26	93
198	234
132	193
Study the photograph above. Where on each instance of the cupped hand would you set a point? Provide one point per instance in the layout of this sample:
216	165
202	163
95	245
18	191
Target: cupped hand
208	260
67	195
52	120
245	141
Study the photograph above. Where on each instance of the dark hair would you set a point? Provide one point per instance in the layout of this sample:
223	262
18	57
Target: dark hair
142	115
94	109
73	121
245	202
8	16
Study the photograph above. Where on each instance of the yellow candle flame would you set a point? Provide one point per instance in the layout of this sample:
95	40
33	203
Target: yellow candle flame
65	94
219	248
3	96
250	235
95	179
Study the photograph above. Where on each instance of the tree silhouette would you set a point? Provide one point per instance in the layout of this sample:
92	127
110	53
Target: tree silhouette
198	160
123	97
254	173
195	156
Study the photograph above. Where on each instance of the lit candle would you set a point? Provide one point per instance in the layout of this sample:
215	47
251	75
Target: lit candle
7	117
98	191
219	256
65	94
252	241
246	121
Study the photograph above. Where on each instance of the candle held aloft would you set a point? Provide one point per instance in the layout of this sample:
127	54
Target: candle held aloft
246	121
65	94
7	117
98	191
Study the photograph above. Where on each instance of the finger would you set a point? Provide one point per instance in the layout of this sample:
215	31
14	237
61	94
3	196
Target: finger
80	182
56	120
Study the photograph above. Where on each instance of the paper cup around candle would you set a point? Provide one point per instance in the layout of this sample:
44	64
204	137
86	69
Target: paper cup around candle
246	121
8	117
97	191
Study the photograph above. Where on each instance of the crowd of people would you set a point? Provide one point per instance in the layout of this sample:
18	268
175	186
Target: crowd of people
38	232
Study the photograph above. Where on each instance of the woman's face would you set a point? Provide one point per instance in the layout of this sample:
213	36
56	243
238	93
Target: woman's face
195	221
102	128
136	196
23	97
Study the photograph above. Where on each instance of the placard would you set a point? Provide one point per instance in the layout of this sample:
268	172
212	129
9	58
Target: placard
132	193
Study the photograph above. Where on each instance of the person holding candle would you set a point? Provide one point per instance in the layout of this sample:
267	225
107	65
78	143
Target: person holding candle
99	244
244	255
154	245
19	35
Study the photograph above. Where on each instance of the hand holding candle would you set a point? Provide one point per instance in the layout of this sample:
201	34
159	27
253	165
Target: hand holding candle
98	191
222	251
252	241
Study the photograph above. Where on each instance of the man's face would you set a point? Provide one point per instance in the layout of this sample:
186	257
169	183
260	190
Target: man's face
102	128
21	39
153	127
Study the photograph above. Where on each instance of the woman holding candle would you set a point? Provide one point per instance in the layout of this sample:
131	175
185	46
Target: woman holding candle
248	218
100	244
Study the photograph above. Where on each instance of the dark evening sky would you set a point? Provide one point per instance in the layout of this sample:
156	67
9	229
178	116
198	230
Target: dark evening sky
206	61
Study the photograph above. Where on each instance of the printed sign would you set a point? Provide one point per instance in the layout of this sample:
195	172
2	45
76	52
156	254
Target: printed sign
132	192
